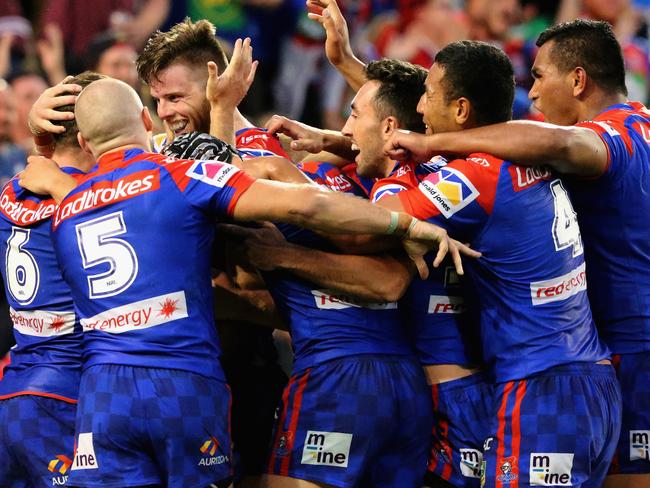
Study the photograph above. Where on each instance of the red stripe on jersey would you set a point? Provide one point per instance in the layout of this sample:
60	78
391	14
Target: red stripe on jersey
433	462
516	429
616	362
39	394
501	416
4	362
240	182
280	425
293	421
255	138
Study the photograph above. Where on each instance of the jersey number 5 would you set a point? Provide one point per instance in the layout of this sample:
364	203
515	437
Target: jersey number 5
98	245
566	232
23	276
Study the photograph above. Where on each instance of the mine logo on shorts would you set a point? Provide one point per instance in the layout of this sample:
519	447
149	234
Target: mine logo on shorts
209	449
59	466
508	469
470	462
550	469
84	456
326	448
639	445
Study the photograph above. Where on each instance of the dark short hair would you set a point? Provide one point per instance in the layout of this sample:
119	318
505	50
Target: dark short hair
69	137
401	86
591	45
192	43
483	74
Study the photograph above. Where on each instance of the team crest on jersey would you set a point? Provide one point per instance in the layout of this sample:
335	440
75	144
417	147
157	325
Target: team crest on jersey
449	190
212	172
389	189
283	444
508	469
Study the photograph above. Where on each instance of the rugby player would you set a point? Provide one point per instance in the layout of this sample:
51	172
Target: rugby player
154	404
580	79
38	393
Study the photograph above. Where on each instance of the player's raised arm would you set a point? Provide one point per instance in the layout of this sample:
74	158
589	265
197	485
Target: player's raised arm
573	150
337	43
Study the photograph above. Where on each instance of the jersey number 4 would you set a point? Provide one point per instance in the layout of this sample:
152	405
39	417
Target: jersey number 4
98	245
566	232
23	275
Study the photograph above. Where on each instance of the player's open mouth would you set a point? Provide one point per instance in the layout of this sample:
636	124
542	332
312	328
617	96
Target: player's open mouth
178	127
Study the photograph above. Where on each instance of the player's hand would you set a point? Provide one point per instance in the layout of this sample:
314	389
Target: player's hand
227	90
44	177
406	145
260	245
337	43
422	237
305	137
43	114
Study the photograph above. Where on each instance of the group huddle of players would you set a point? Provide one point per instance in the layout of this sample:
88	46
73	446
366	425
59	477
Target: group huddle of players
528	364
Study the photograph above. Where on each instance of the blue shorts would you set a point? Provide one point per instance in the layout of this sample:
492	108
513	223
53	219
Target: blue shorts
36	441
146	426
462	410
355	422
556	428
633	451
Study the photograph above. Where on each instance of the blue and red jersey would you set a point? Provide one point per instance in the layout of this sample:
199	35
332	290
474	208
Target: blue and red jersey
613	211
325	324
47	357
254	142
134	242
337	179
531	279
437	311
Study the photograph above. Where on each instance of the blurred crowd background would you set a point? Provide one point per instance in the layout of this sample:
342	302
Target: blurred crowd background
43	40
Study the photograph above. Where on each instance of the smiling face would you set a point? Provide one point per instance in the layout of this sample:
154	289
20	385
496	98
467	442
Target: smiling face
179	91
365	128
552	91
437	113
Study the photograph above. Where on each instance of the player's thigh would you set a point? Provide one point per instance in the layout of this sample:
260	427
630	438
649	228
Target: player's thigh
627	481
274	481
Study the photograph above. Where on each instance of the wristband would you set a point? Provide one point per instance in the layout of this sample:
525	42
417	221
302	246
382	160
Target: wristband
394	220
413	223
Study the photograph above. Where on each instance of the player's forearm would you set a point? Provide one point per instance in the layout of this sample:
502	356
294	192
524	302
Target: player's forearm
371	278
565	149
222	124
353	70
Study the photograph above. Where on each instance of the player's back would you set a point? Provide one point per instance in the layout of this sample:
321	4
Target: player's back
134	242
613	212
531	279
47	355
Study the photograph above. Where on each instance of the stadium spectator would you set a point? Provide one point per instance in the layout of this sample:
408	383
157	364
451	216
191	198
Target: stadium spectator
26	88
12	156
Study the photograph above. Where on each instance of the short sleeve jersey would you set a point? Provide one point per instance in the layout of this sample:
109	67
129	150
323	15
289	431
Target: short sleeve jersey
134	243
46	359
614	211
531	279
437	312
325	324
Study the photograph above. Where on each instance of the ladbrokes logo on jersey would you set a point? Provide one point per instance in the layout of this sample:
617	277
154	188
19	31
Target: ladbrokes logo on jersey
449	190
107	192
59	466
326	448
209	450
24	212
639	445
550	469
212	172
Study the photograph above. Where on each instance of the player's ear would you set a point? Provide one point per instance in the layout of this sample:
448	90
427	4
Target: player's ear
389	125
578	81
146	119
83	144
462	110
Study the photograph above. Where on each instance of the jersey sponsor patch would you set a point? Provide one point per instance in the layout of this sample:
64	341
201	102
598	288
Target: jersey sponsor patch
449	190
139	315
212	172
470	462
24	212
326	449
104	193
446	304
523	178
84	456
550	469
640	445
560	288
330	300
42	323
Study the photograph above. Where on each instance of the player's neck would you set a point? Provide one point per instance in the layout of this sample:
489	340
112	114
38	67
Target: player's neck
73	158
241	122
125	147
597	103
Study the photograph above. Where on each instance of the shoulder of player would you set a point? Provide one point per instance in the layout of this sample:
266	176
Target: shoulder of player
22	207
